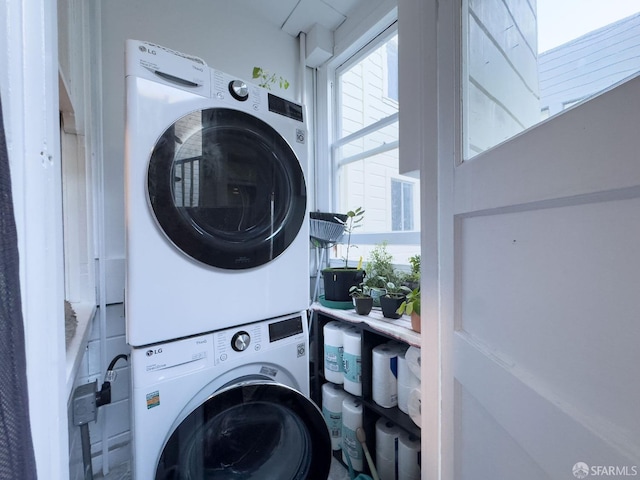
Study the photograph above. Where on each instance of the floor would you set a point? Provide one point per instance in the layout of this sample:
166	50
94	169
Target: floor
338	472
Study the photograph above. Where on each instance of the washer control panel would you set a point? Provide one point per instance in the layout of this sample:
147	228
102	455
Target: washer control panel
237	343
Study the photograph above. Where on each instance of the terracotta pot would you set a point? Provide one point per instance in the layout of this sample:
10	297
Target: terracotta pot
415	321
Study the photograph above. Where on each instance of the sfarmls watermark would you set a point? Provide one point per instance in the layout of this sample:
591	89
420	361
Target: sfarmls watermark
582	470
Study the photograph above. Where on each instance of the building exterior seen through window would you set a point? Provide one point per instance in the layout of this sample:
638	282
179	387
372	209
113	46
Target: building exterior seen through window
402	206
365	153
526	61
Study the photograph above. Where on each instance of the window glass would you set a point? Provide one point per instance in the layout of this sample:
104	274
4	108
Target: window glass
365	153
392	69
526	61
401	205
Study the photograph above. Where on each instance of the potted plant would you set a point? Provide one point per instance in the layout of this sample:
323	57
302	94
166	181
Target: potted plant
362	299
338	280
411	306
377	288
379	271
413	279
391	301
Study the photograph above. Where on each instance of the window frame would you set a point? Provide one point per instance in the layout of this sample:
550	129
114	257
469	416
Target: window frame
327	130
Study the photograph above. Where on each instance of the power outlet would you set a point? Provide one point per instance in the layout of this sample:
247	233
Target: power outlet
84	404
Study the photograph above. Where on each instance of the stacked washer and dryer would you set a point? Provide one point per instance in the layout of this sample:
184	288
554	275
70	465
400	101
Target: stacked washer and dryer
217	276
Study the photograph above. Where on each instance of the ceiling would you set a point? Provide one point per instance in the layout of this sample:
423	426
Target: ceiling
295	16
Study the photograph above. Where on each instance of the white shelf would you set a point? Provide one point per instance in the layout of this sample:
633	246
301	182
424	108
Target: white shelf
399	329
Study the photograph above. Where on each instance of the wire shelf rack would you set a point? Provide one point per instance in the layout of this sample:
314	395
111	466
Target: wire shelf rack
325	231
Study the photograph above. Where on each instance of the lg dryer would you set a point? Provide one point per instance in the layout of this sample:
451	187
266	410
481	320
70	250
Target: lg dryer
215	199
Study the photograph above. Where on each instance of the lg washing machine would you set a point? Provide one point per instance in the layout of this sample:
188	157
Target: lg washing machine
215	199
232	404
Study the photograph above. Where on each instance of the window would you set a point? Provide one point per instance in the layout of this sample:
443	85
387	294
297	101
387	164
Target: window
526	61
365	151
391	71
401	205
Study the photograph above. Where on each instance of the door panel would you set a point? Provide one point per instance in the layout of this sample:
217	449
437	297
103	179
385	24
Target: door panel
531	275
496	454
591	148
546	298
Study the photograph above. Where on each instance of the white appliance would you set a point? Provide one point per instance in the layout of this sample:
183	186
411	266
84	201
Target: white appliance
228	405
217	230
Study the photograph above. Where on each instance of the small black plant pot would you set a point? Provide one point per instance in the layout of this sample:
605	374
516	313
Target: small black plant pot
338	281
390	305
363	305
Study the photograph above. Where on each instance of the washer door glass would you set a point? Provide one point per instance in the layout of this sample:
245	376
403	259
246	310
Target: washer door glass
226	188
255	430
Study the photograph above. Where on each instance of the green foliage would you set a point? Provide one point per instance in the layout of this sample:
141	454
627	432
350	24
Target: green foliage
353	221
379	267
411	278
414	261
411	303
360	291
266	79
394	290
375	281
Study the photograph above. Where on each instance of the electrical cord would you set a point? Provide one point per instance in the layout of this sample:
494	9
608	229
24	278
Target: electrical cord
111	373
86	400
103	397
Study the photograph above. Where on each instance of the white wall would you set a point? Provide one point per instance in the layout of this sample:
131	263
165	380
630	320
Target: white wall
117	426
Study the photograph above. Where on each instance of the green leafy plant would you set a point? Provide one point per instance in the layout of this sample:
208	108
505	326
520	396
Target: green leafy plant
266	79
379	267
414	262
376	281
411	278
360	291
396	291
353	221
411	303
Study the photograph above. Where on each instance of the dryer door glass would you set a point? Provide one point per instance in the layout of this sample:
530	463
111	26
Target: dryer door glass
226	188
258	430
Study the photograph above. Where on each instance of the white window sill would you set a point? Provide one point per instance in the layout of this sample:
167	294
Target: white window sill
85	313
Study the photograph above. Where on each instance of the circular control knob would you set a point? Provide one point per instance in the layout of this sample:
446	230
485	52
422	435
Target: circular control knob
239	90
240	341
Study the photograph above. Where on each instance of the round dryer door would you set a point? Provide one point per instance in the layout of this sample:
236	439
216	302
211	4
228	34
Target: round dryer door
226	188
252	430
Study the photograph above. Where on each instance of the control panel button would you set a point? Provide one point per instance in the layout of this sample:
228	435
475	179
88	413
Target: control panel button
240	341
239	90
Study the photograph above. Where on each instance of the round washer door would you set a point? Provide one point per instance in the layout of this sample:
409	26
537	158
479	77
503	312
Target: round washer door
252	430
226	188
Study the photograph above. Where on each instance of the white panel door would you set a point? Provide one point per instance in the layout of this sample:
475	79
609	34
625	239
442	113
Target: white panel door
530	277
542	352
